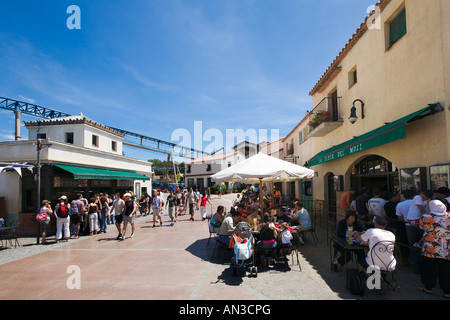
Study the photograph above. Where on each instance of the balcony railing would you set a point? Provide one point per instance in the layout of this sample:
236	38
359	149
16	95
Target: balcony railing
325	117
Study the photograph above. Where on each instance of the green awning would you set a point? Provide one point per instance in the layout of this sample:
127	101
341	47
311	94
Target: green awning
101	174
380	136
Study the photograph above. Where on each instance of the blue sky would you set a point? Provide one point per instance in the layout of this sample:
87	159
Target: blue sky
159	65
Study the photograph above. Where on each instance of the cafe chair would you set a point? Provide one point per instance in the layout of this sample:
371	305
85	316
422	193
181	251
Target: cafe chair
295	248
10	234
388	274
311	230
212	231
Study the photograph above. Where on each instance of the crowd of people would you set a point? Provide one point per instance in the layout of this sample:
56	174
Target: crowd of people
273	224
418	222
82	216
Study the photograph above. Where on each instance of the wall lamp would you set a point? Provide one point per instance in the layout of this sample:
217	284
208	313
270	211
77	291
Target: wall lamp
353	116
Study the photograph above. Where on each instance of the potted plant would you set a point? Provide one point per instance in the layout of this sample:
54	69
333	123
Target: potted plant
318	118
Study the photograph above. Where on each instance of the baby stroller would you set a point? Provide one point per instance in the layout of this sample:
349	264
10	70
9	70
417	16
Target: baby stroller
244	247
181	209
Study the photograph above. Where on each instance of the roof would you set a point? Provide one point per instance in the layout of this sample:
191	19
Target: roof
277	144
77	119
214	157
333	69
307	114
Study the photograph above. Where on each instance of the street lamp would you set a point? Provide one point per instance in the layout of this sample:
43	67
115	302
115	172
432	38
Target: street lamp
353	116
39	147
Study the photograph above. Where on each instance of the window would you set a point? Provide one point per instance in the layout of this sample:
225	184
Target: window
352	77
397	28
440	176
114	146
300	137
94	140
69	137
188	169
42	136
208	167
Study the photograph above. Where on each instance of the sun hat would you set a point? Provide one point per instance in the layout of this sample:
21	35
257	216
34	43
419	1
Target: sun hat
437	207
127	195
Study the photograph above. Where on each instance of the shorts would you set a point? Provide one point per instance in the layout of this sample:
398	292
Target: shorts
45	224
127	219
118	218
171	211
75	218
156	212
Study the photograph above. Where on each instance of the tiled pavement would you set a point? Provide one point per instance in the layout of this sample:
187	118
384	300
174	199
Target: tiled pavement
171	263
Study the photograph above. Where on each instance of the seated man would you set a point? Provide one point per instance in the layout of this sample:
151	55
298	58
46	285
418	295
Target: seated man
281	217
228	225
382	258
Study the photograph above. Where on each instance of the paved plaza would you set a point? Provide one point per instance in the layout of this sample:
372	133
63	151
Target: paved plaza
171	263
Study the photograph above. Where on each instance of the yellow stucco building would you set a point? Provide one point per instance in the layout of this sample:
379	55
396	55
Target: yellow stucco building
395	72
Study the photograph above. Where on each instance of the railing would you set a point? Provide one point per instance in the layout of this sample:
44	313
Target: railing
328	110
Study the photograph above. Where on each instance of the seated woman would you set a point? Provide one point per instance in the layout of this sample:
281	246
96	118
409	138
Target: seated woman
341	232
253	215
217	219
268	239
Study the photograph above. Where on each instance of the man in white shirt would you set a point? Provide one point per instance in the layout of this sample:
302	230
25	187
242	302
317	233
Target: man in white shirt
385	260
403	207
238	199
375	205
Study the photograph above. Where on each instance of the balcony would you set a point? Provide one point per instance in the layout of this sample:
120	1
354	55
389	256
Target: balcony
325	117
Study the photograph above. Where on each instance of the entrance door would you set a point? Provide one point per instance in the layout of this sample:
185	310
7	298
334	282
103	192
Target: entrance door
306	194
331	200
375	172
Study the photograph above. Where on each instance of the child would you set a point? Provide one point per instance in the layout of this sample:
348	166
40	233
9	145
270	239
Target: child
286	237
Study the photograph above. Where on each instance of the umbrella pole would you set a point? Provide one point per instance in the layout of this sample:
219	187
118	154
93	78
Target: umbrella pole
261	197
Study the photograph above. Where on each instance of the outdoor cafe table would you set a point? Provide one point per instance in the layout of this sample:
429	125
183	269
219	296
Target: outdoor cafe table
345	247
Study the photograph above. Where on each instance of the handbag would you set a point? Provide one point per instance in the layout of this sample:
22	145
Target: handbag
41	217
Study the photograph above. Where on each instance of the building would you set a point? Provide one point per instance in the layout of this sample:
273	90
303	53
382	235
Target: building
78	155
381	115
199	171
299	148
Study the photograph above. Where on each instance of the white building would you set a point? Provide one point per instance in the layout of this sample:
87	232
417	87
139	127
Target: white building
199	171
78	155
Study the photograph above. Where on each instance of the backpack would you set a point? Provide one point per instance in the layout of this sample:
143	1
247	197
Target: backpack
62	212
355	282
243	249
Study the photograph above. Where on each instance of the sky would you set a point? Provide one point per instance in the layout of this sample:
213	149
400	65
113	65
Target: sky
156	67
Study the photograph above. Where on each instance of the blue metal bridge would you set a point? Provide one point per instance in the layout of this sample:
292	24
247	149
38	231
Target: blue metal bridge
159	146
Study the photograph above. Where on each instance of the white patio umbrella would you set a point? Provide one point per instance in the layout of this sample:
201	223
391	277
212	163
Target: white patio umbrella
263	168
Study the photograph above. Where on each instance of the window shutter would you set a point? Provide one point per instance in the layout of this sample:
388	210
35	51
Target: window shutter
397	28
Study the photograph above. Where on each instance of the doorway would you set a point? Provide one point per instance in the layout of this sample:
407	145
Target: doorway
375	172
331	195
